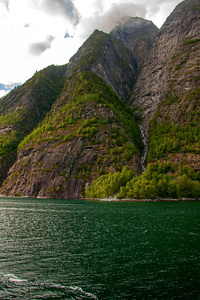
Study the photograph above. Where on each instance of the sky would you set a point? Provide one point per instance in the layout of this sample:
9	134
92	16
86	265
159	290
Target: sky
39	33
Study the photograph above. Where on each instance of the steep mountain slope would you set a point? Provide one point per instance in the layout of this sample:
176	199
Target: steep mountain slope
171	69
137	35
88	132
166	99
171	93
23	108
115	56
109	59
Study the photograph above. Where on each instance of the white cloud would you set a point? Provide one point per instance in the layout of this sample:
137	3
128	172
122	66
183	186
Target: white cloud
106	21
6	3
33	32
65	8
40	47
159	10
3	93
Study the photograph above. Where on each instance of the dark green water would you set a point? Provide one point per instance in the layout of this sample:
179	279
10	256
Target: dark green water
68	249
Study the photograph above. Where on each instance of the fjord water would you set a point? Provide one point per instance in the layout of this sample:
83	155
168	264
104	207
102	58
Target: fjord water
69	249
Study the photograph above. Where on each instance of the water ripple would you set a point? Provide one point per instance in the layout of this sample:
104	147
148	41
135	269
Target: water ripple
60	249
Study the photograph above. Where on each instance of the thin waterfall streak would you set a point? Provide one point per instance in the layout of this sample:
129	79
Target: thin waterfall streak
144	155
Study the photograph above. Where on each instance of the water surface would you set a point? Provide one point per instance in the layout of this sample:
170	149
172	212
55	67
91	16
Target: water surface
69	249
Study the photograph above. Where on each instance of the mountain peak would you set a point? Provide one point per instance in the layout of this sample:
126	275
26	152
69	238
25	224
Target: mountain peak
137	34
133	23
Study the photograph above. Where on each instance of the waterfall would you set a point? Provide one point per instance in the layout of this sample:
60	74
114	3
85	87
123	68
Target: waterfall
144	155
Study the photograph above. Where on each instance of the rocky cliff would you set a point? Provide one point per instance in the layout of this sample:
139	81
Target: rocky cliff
167	92
171	68
109	59
137	34
115	57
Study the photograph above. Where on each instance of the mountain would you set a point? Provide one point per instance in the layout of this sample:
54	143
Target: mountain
125	98
88	132
23	108
166	100
170	96
171	69
102	70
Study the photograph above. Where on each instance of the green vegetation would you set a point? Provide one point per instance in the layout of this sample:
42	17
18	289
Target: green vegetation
88	132
8	144
107	185
171	137
159	181
167	138
93	49
88	93
23	108
69	137
183	136
189	42
35	135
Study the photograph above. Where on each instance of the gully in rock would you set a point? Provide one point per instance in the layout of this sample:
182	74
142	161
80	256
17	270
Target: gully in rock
144	155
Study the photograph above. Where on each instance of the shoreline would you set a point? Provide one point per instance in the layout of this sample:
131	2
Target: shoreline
141	200
107	199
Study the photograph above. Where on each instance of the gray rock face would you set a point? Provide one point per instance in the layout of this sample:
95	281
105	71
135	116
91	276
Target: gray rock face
171	66
115	57
137	35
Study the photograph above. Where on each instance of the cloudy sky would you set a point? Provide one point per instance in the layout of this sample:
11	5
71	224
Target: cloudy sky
38	33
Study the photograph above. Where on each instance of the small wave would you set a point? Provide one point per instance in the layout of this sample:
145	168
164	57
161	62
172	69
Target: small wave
63	290
193	233
80	290
17	288
13	278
